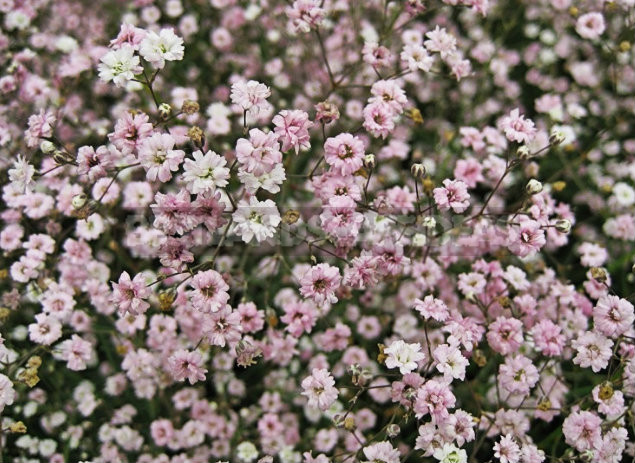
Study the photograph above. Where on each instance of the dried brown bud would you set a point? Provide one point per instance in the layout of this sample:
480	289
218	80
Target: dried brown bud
164	111
190	107
327	112
18	427
290	216
599	274
197	136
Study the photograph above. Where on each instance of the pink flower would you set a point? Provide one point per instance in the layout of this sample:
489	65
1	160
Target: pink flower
320	282
593	350
507	450
251	96
40	126
94	164
76	352
300	317
209	292
345	153
292	130
340	218
590	25
548	338
319	389
390	93
223	327
128	295
613	316
453	195
184	364
518	375
382	452
379	119
434	398
517	128
582	430
431	307
439	40
130	131
260	153
306	14
526	238
46	329
505	335
158	158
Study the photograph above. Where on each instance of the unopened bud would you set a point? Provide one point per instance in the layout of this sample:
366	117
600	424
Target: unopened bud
62	157
47	147
533	186
369	161
165	110
599	274
18	427
563	226
417	170
428	185
349	423
557	137
479	358
522	152
326	112
393	430
190	107
196	135
79	200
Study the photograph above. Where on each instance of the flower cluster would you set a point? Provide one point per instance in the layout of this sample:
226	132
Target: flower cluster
317	231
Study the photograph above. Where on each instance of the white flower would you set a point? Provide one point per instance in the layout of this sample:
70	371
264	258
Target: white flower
7	393
246	451
403	356
417	57
161	47
257	219
119	65
21	176
205	172
269	181
624	194
450	453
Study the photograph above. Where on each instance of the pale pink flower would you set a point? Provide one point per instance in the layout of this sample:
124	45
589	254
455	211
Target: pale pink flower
517	128
251	96
128	295
305	14
158	158
319	389
453	195
76	352
526	238
590	25
582	430
431	307
518	375
434	398
382	452
345	153
593	350
507	450
292	129
188	365
260	153
320	282
613	316
209	293
403	356
223	327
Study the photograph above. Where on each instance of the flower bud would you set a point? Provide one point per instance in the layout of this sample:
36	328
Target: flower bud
62	157
196	135
190	107
79	200
523	152
533	186
557	137
349	423
369	161
417	170
47	147
429	222
165	110
599	274
327	112
563	226
393	430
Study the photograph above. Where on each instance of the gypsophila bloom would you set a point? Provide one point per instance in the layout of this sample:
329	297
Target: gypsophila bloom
205	172
453	195
256	219
345	153
119	66
517	128
449	453
250	96
590	25
21	176
507	450
158	158
76	352
292	129
319	389
613	316
593	350
187	365
260	153
403	356
305	14
320	282
382	452
7	393
209	292
129	295
159	48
